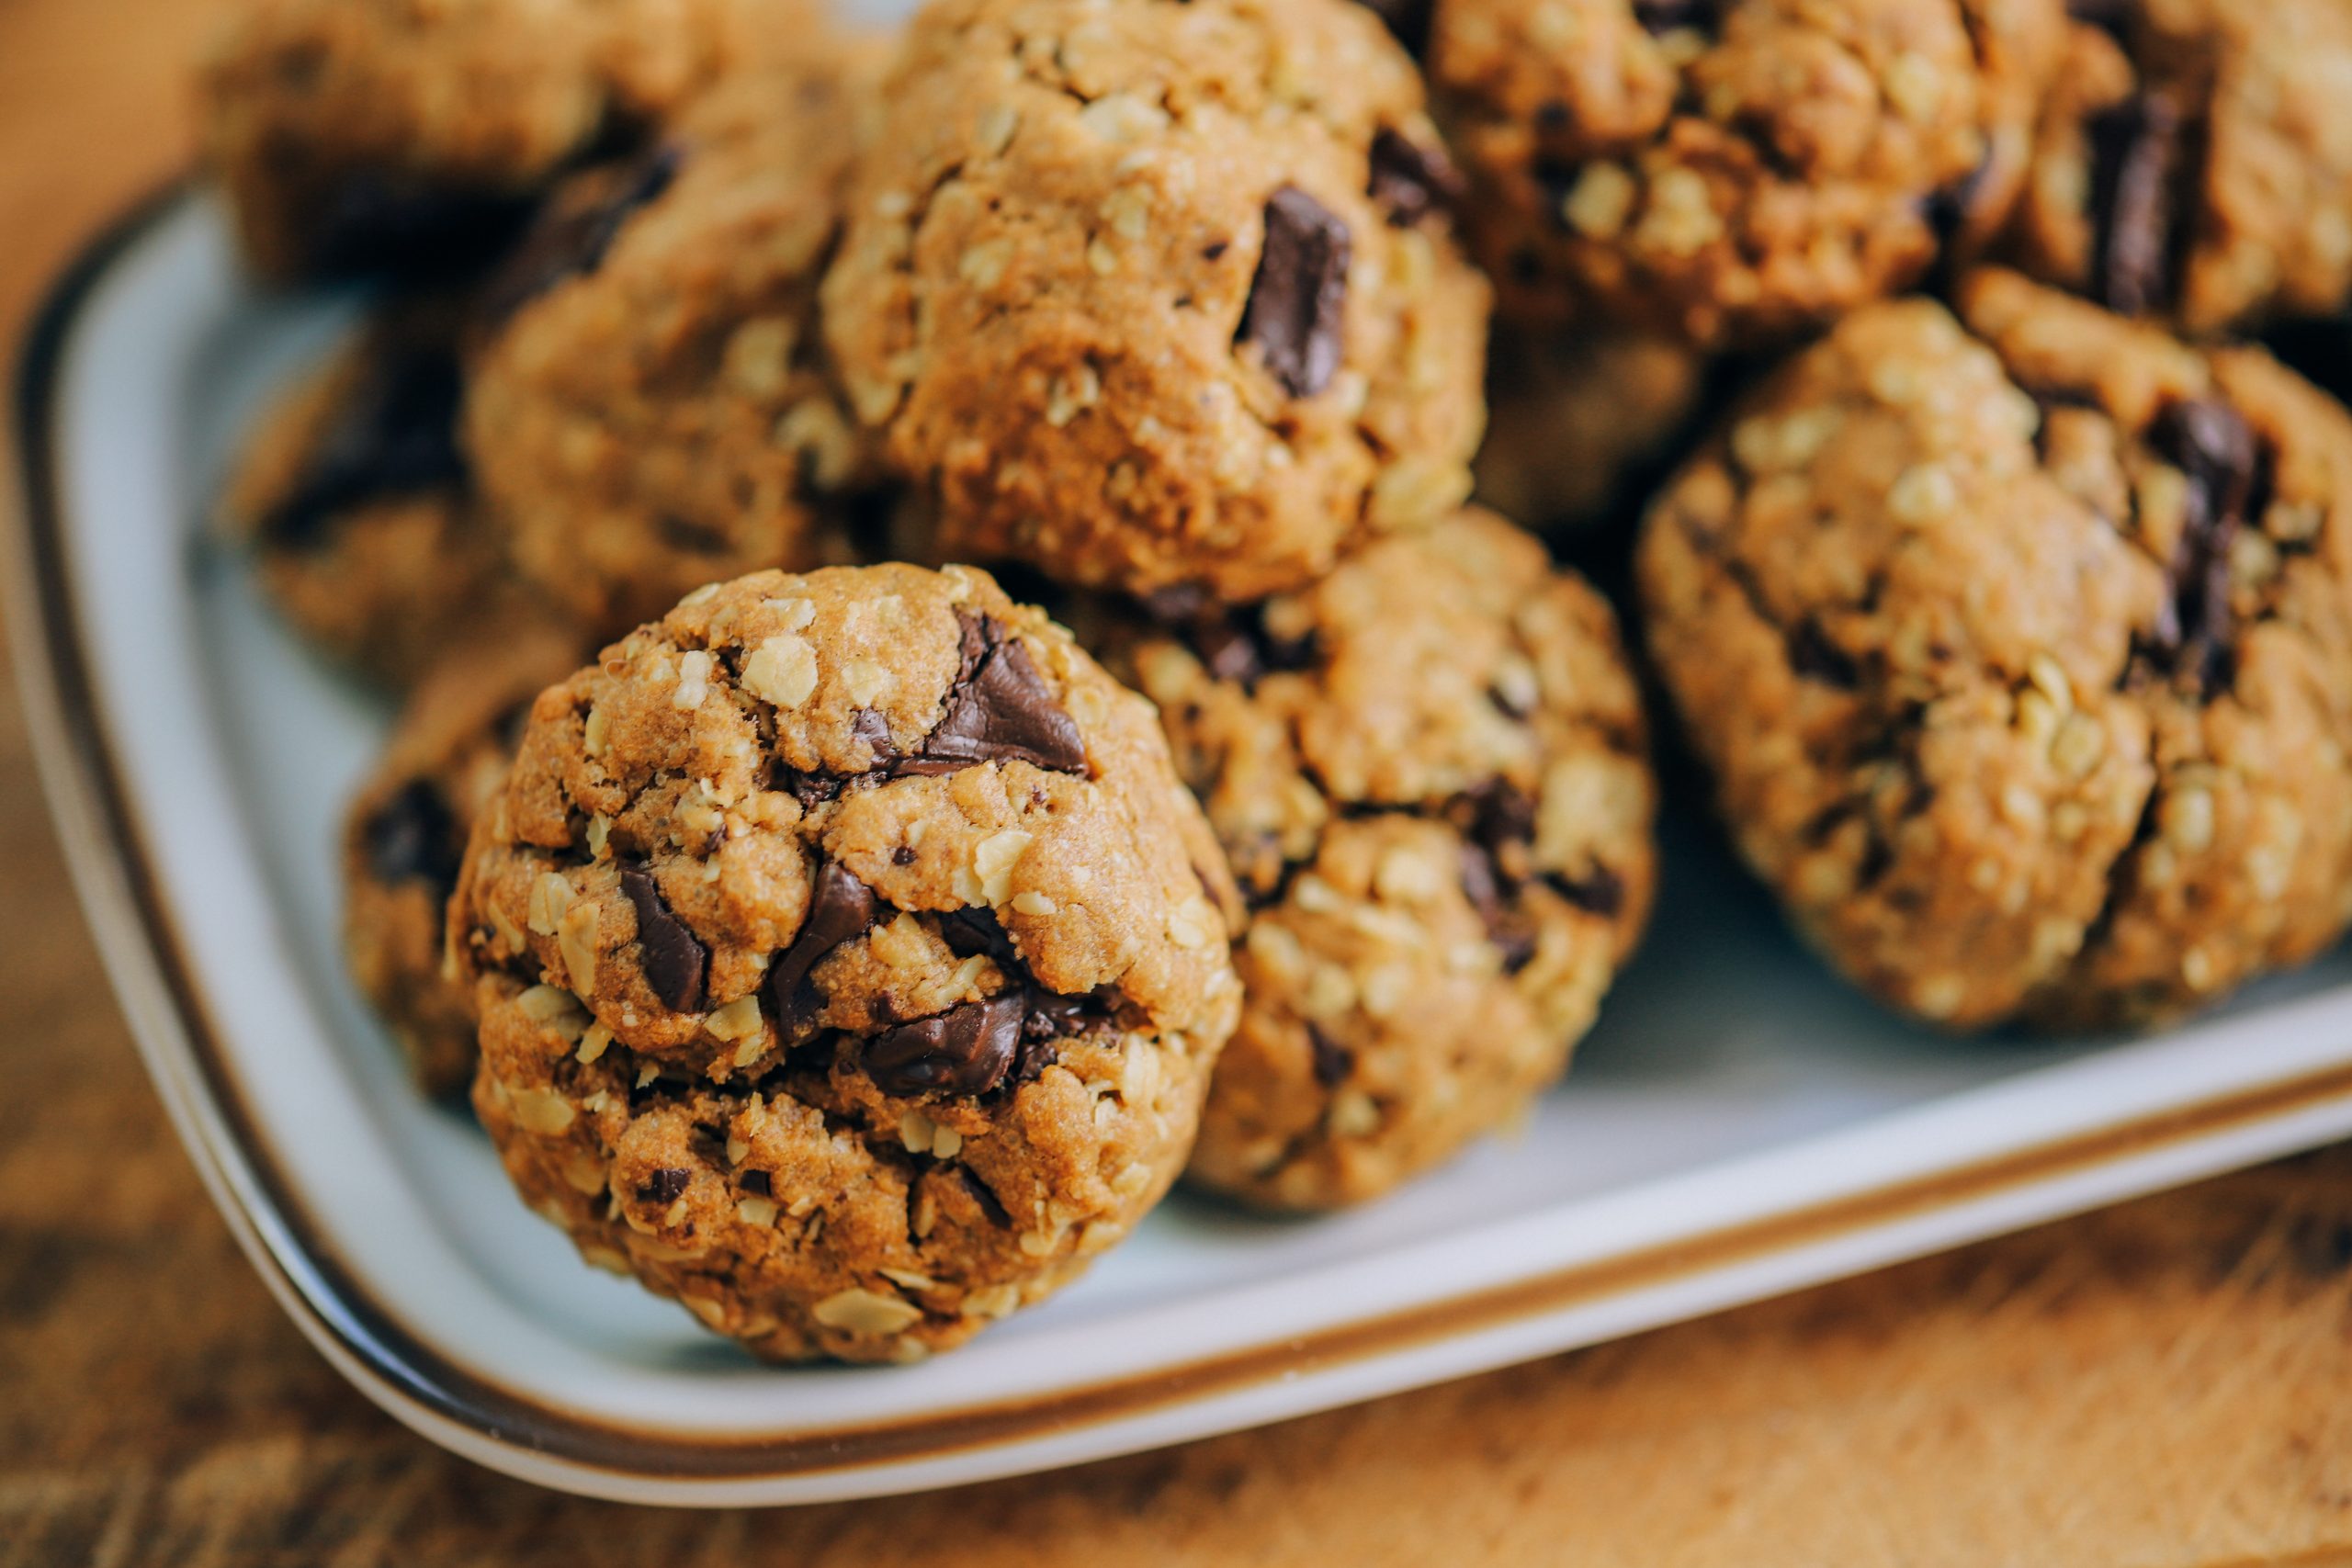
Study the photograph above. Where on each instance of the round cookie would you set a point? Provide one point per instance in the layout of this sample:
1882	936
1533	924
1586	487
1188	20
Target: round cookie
2194	162
650	409
1733	170
358	503
847	959
1575	419
1158	293
1429	771
373	135
405	832
2020	649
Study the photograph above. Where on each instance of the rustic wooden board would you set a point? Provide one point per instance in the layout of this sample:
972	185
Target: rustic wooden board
2165	1383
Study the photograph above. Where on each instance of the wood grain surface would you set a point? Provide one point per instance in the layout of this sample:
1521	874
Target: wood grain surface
2166	1384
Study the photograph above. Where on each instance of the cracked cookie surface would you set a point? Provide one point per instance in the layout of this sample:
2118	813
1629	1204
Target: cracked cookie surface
1428	771
1156	293
650	410
359	507
848	959
2020	650
1733	169
376	135
2194	162
404	833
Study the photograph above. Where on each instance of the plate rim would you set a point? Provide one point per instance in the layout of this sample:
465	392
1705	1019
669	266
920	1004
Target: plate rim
161	996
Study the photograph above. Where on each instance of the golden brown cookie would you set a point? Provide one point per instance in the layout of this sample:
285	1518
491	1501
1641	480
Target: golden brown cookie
2020	648
1159	292
405	832
846	958
1731	170
391	135
651	409
1429	771
359	507
2194	160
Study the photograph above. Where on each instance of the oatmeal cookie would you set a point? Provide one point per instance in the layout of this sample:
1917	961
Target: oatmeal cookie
848	959
405	832
1734	169
650	411
372	135
1575	419
358	506
2020	649
1156	293
1428	770
2194	162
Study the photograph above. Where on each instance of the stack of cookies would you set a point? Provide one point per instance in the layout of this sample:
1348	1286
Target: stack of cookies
851	952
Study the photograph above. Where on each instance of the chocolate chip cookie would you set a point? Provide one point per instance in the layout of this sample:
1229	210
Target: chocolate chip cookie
2020	648
1157	293
363	135
1576	419
1428	770
404	834
652	411
848	959
2194	160
358	506
1734	169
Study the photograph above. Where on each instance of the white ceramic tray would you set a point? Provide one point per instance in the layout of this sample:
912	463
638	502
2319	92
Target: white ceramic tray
1739	1125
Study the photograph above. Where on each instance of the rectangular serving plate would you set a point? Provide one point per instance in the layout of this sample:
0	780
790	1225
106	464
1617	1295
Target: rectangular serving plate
1739	1125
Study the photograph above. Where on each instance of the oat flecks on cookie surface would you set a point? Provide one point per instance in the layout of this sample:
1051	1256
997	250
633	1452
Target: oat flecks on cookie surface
1734	169
848	959
385	135
2019	645
1429	771
405	832
2194	160
1155	292
651	409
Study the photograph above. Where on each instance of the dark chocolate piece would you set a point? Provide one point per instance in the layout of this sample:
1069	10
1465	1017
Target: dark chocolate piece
2138	151
414	837
1297	303
1412	181
572	234
394	435
676	961
840	908
967	1050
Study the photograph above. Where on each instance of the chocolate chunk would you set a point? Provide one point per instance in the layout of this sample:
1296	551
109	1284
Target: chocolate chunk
2110	17
370	226
1482	884
1814	658
1658	16
414	837
1412	181
1298	299
1332	1062
967	1050
2138	154
577	228
1600	891
970	931
2217	453
985	1196
1231	641
869	726
675	960
666	1185
759	1183
840	908
394	435
1407	21
999	710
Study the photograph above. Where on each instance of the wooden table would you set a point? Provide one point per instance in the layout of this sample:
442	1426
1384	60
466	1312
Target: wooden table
2166	1384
